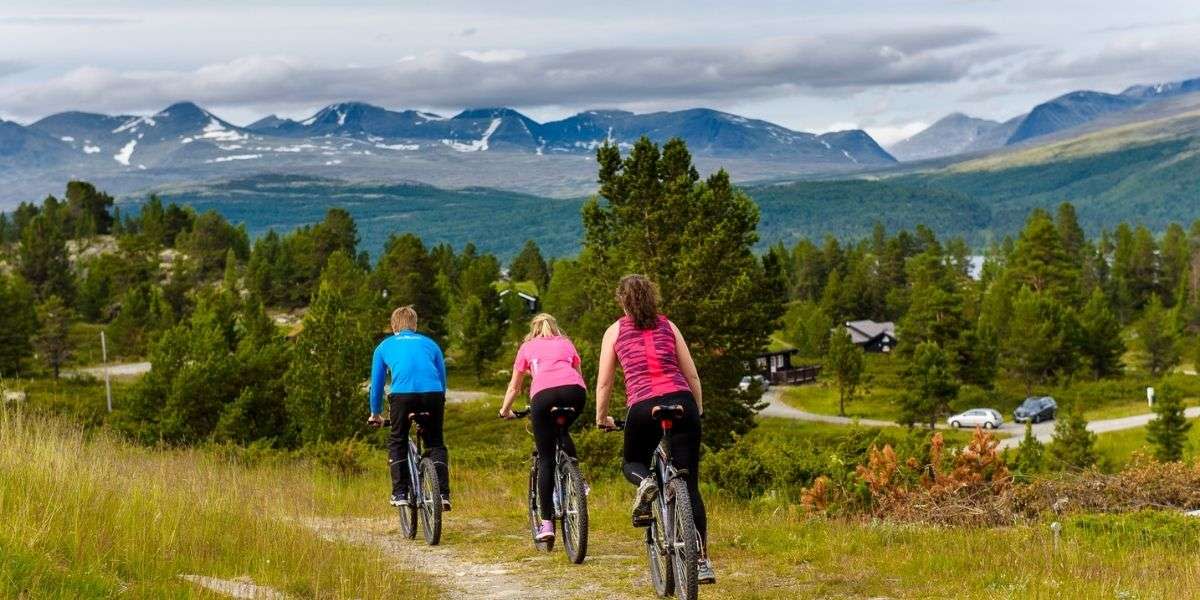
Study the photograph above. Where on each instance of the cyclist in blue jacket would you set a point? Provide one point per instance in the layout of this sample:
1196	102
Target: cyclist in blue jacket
418	373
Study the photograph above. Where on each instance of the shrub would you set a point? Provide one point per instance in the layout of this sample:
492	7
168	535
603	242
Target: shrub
346	458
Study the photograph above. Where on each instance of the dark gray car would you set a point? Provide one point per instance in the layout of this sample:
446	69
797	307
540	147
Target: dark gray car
1036	409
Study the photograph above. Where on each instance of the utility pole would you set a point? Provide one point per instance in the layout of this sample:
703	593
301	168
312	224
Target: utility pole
104	358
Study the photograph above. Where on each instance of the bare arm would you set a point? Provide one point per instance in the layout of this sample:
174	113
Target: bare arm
605	375
688	366
510	396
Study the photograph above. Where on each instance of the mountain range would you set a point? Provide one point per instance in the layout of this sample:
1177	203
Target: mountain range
490	146
961	134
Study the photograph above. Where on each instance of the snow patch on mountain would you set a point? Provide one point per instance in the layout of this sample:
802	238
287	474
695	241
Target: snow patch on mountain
132	124
221	159
400	146
125	153
477	145
91	149
216	131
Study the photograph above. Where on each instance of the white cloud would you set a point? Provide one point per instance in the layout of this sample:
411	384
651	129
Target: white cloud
890	134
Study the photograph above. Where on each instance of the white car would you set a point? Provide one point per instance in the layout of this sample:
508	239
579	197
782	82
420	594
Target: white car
977	417
762	382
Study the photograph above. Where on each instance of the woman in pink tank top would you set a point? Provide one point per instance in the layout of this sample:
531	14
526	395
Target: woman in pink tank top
659	371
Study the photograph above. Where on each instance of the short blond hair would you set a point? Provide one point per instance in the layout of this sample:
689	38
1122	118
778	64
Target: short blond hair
543	325
403	318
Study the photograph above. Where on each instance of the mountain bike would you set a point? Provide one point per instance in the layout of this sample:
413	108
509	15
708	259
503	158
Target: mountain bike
570	493
672	540
424	490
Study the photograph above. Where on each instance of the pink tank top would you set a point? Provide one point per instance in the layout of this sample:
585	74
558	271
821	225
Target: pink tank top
648	359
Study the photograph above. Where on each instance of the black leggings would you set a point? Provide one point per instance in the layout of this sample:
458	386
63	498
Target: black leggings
545	434
642	435
433	403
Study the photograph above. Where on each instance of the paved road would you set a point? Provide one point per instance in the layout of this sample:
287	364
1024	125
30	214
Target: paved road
1042	431
136	369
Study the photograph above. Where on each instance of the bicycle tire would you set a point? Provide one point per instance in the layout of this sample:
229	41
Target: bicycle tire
431	503
535	518
685	543
408	519
662	575
575	511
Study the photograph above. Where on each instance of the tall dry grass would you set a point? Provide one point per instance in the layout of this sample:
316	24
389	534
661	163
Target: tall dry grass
87	515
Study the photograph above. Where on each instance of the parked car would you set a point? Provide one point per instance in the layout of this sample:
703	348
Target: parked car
977	417
749	380
1036	409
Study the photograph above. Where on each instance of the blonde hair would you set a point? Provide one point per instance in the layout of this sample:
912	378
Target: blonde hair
403	318
543	325
638	297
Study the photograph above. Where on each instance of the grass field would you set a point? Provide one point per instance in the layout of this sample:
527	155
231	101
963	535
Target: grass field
85	515
1116	447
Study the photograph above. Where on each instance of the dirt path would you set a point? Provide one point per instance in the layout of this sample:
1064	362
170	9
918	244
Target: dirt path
461	578
235	588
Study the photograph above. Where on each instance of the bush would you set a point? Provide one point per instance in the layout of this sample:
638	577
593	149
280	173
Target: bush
346	458
600	452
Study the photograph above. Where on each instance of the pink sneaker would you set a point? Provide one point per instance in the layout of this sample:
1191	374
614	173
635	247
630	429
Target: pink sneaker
545	532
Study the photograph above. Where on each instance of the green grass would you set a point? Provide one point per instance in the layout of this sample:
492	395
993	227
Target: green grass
90	516
85	515
1117	447
822	398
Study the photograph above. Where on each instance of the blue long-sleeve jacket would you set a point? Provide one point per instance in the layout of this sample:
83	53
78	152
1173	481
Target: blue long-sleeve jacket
415	362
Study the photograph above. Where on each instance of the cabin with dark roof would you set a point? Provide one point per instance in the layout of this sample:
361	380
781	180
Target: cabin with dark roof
777	368
872	336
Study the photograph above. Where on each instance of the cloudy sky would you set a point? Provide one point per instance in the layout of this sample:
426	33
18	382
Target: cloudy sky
889	66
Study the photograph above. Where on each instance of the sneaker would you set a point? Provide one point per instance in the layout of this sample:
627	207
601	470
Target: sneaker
704	572
399	500
646	493
545	532
445	503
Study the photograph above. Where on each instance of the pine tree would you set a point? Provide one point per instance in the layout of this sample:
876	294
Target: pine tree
1030	457
930	385
1042	263
1037	348
848	364
806	327
1157	339
478	335
695	239
1073	446
1071	234
1168	431
408	275
1100	333
18	323
53	340
331	356
530	266
43	256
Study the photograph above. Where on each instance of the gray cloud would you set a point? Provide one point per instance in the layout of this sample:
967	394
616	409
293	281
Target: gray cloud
9	67
64	21
1126	63
602	76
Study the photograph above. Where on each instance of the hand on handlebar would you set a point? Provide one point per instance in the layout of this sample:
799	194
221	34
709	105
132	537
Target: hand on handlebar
607	424
507	413
375	421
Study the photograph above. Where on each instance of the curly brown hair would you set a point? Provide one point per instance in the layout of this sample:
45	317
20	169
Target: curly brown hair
639	299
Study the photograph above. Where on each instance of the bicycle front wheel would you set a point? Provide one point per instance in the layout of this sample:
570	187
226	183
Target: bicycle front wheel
431	503
685	542
575	510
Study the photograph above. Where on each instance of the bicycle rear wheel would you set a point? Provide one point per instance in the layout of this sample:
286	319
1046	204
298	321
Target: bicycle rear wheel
662	576
575	510
535	518
431	503
685	541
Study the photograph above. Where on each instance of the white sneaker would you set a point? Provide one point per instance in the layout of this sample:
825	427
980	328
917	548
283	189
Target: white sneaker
646	493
